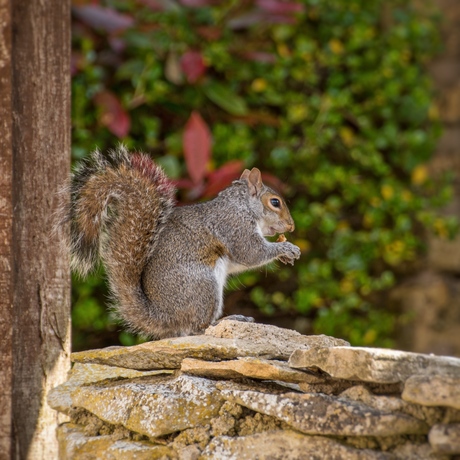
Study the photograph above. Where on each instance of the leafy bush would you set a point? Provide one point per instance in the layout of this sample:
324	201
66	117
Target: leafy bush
330	97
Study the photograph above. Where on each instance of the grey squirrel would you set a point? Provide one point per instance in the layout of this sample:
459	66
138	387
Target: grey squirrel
167	265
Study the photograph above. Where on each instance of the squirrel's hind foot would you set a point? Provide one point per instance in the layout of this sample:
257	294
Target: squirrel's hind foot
242	318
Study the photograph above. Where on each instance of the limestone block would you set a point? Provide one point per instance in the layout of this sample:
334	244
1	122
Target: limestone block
447	150
432	300
444	254
445	438
256	368
74	445
331	386
415	451
377	365
430	415
450	104
152	408
317	413
445	71
236	339
285	341
285	445
433	390
167	353
60	398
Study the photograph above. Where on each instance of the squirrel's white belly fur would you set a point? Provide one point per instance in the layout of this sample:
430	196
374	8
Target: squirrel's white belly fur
220	272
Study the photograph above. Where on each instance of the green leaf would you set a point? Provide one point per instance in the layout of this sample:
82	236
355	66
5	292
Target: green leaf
225	98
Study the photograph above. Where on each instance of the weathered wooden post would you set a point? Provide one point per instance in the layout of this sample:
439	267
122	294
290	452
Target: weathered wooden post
34	275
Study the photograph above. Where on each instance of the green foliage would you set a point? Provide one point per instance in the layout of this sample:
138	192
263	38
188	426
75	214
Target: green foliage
331	97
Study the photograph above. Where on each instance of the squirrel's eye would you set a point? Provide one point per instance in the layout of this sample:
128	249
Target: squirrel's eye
275	202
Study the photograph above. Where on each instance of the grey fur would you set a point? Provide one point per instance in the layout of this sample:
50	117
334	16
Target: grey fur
167	265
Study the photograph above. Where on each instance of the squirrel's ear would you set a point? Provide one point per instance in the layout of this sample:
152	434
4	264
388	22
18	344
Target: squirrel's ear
245	174
254	179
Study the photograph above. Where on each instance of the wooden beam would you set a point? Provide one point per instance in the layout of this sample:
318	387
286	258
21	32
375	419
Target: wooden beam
6	232
34	272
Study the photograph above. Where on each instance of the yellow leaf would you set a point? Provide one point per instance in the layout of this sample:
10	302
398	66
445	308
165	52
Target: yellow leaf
369	337
398	246
343	225
278	298
283	50
419	175
387	191
346	286
440	228
304	245
259	85
433	112
318	302
387	72
406	195
336	46
297	113
347	136
368	221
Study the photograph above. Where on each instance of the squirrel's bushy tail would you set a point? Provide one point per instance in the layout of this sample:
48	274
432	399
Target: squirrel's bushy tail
118	205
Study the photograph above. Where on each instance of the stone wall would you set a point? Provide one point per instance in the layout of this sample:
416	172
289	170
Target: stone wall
431	298
252	391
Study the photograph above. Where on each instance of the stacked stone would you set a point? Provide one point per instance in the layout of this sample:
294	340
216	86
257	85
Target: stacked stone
252	391
430	296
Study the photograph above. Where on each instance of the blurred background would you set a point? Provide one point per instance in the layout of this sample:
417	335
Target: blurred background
351	108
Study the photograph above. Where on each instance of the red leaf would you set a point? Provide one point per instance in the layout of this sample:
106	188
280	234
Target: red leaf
113	115
223	177
280	7
106	19
154	5
197	146
117	44
77	62
210	33
196	3
247	20
260	56
192	64
182	183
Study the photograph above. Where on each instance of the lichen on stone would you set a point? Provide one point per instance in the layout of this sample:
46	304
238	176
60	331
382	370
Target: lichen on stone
239	398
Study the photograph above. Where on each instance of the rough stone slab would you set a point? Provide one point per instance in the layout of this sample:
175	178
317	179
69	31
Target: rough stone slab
317	413
167	353
414	451
377	365
255	368
74	445
152	408
360	393
445	438
433	390
238	340
331	386
60	398
266	335
285	445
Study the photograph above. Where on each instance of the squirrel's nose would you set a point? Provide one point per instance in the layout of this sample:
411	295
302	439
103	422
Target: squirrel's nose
291	227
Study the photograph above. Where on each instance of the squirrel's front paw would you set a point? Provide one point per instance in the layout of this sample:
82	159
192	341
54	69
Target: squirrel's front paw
290	252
